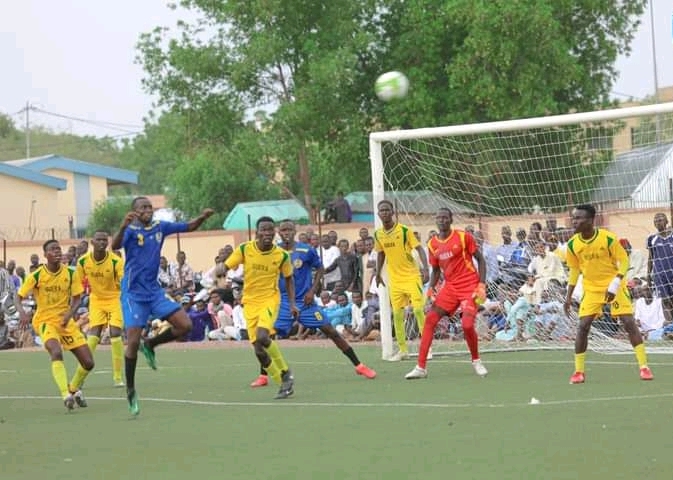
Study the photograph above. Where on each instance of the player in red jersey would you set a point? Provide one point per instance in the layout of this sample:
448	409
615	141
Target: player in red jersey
451	253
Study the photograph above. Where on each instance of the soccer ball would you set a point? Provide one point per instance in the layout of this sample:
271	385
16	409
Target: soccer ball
391	85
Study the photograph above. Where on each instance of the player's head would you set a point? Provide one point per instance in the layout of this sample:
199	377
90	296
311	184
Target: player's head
143	209
52	251
385	211
266	230
100	241
660	222
287	230
443	219
583	218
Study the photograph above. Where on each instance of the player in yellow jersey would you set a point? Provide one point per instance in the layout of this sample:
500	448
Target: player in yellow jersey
263	262
394	243
57	289
597	254
103	271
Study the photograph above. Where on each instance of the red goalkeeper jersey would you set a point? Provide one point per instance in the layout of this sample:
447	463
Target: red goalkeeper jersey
453	256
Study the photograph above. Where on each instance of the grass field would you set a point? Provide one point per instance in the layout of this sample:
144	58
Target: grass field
200	419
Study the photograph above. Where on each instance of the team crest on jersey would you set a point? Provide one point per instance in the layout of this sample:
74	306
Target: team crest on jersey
158	237
141	240
297	263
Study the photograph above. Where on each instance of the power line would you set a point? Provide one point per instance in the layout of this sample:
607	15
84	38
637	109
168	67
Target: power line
74	141
100	123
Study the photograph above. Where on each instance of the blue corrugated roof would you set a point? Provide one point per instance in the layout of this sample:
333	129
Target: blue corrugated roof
276	209
112	174
31	176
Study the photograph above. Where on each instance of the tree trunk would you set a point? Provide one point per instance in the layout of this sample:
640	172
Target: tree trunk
305	178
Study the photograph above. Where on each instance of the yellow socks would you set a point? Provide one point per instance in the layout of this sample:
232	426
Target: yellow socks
579	362
278	364
92	341
117	348
641	355
419	313
78	378
60	376
400	331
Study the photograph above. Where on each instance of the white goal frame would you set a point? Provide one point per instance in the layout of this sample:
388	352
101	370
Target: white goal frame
376	139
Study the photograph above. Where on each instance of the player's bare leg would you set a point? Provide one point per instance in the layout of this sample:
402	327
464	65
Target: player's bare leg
180	325
636	339
86	363
271	359
346	349
59	372
581	345
133	336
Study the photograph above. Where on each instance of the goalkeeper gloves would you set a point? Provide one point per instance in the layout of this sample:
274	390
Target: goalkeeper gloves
479	294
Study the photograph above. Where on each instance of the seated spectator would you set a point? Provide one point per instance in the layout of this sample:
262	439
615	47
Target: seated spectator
517	316
546	268
649	314
340	314
201	319
6	341
548	314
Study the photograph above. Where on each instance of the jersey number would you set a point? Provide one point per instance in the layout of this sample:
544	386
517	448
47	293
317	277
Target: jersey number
67	339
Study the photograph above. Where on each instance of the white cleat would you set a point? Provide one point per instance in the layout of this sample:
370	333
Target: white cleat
398	357
479	368
119	384
417	373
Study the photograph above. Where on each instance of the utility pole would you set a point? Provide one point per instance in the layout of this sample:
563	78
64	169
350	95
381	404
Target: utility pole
656	79
27	110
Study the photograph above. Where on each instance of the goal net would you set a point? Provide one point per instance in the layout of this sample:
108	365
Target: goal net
522	178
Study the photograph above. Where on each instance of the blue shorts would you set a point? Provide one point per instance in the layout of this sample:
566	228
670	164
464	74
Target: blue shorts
310	316
137	313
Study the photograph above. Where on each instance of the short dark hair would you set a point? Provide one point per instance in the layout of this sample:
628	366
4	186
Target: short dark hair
286	220
590	209
46	244
445	209
264	219
386	202
136	200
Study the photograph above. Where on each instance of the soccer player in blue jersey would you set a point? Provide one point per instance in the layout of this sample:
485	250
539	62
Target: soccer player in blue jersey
660	263
306	261
142	295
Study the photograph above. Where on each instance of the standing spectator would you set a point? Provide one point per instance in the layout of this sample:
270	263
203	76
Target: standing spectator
339	210
660	263
14	277
328	254
164	276
347	263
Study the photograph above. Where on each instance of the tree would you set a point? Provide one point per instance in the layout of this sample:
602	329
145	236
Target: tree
108	214
467	62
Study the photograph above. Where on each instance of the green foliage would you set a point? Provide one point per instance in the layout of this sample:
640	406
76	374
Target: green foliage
467	62
108	215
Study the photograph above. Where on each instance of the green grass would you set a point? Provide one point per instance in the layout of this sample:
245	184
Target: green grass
199	419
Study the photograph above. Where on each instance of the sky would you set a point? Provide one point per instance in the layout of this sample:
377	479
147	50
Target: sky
76	59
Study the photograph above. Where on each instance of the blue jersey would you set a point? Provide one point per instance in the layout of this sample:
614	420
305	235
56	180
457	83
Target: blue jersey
305	259
142	250
661	252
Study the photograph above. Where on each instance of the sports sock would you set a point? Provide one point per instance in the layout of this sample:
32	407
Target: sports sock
262	371
60	376
117	347
78	378
579	362
400	332
431	321
274	372
350	353
276	357
164	337
641	355
130	370
470	334
419	313
92	341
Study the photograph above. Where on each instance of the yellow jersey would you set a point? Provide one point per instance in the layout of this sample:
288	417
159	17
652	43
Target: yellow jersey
104	277
598	259
52	292
260	271
398	243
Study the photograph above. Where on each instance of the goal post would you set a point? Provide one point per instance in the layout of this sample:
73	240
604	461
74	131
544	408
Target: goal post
516	172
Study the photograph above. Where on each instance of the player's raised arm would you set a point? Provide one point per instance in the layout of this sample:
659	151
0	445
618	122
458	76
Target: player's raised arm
117	240
198	221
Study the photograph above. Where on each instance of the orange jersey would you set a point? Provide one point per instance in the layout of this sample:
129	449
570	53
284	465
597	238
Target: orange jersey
453	255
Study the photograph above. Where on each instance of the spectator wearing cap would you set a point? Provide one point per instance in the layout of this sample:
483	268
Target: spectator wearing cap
198	313
637	261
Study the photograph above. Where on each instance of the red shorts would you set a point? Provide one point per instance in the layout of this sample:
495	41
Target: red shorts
450	297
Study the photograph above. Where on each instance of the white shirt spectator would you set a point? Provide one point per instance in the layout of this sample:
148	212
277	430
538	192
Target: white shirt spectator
329	255
357	316
649	315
